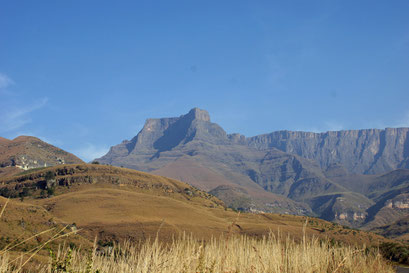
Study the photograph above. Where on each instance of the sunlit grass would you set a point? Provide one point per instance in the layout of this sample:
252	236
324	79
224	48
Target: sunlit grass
225	254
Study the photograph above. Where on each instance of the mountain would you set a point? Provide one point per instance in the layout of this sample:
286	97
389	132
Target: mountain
193	149
27	152
340	176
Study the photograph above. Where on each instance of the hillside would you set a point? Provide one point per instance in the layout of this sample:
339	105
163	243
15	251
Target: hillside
243	196
387	195
116	204
397	230
24	226
26	152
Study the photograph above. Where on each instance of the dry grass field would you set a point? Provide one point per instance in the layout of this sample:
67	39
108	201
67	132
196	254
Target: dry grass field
119	204
118	214
126	209
225	254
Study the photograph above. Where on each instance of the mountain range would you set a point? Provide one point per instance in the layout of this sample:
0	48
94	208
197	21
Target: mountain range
357	178
354	177
42	197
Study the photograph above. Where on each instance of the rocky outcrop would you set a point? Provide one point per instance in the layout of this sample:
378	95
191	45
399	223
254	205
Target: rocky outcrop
370	151
346	208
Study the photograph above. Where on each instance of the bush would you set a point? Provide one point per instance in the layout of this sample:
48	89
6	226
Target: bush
49	176
395	252
50	191
9	193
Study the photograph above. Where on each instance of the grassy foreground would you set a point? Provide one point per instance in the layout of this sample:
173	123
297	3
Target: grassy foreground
234	254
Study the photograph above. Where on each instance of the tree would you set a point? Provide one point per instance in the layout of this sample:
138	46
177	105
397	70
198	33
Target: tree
49	176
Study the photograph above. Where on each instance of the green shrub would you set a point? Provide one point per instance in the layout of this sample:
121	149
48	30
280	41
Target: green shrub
395	252
49	176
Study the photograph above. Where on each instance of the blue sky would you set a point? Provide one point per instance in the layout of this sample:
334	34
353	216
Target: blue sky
84	75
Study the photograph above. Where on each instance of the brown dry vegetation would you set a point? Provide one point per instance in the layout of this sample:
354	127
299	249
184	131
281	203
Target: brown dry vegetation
226	254
120	205
116	204
23	227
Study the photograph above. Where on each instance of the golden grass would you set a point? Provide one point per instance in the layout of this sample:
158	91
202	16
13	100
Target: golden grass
25	233
160	208
116	214
4	208
116	204
227	255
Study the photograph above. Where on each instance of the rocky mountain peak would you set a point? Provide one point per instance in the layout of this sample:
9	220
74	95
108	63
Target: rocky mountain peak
198	114
163	134
161	124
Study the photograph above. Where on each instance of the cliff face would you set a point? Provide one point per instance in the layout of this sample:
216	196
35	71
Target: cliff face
370	151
